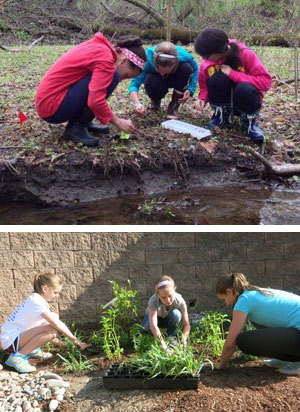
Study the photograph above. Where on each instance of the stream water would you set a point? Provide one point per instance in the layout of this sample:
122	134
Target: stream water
201	206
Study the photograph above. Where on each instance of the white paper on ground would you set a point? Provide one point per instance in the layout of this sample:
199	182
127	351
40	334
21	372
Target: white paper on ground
183	127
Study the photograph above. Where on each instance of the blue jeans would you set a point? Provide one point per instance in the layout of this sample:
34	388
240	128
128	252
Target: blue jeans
76	99
170	322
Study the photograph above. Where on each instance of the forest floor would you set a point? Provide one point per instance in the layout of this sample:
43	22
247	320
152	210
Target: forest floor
37	165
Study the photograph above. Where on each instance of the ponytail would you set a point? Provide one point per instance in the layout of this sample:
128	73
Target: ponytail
232	58
46	279
238	283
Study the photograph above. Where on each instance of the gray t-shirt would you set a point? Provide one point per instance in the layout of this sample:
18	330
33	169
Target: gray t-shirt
155	304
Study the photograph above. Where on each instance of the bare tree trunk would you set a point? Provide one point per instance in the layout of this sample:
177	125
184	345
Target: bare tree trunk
169	18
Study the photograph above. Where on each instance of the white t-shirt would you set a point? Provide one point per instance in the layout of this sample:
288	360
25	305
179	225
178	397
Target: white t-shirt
26	316
155	304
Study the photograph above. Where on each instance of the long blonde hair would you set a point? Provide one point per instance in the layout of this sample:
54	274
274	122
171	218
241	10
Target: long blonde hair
165	55
238	283
46	279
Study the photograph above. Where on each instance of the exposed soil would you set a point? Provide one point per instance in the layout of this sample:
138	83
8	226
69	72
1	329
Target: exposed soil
245	386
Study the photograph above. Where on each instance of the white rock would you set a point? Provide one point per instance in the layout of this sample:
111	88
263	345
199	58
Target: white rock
59	398
1	367
52	383
18	409
26	406
53	405
50	375
35	404
60	391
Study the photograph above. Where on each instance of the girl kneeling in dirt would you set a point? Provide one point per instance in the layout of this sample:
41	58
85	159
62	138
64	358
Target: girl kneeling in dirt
276	311
76	88
166	309
167	67
32	325
232	80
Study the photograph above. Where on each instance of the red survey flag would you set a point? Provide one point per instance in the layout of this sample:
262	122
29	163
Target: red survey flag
22	117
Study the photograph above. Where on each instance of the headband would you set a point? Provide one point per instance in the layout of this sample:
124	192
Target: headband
134	58
164	283
167	56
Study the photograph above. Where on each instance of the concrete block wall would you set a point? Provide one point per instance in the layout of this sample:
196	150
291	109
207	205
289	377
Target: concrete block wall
86	261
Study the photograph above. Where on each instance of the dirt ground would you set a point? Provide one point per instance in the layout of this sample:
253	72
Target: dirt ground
246	386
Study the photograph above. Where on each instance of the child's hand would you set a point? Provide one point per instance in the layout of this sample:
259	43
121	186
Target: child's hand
82	345
219	365
185	97
199	105
225	69
139	109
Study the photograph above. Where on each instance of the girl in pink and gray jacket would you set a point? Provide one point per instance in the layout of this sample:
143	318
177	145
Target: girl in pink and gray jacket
232	80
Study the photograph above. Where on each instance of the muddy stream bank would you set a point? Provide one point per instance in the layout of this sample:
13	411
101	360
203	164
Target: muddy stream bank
76	196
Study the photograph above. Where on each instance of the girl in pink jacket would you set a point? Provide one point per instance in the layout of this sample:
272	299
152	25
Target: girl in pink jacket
232	80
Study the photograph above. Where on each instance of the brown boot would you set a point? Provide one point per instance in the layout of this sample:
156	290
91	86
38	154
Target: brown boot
155	105
174	105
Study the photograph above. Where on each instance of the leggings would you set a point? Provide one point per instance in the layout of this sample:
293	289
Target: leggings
157	86
278	343
76	99
245	96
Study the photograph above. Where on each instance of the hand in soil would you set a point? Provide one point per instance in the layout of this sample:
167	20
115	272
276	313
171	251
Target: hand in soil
82	345
221	366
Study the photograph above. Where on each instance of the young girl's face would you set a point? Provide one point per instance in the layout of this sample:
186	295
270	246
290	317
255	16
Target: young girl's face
167	295
229	297
51	293
164	71
214	57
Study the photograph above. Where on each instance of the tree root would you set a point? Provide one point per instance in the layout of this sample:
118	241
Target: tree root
286	169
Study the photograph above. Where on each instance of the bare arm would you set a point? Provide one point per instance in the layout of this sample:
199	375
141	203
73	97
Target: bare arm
155	329
185	324
54	321
237	324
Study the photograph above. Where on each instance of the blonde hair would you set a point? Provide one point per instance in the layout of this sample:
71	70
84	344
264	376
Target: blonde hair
46	279
163	279
238	283
161	53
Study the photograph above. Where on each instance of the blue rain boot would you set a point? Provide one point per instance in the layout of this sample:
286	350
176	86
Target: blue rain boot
249	123
220	117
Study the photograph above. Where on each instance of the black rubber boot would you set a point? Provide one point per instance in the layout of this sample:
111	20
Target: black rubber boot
155	105
220	117
78	132
174	105
98	128
249	123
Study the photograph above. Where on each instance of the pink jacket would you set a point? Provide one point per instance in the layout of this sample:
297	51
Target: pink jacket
251	71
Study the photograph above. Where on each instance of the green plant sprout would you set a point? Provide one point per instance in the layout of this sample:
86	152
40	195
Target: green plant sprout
211	330
117	320
71	358
175	362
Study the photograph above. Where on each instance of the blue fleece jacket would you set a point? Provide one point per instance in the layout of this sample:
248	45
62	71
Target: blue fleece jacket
183	56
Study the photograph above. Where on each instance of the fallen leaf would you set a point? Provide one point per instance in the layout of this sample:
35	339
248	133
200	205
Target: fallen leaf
209	146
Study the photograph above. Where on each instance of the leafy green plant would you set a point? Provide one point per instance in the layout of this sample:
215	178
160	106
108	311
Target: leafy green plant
72	359
117	320
175	362
211	330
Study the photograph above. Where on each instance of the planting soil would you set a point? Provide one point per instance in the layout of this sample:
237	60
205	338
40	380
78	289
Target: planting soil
245	386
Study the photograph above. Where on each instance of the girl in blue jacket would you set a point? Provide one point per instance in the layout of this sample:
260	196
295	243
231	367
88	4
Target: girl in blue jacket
167	67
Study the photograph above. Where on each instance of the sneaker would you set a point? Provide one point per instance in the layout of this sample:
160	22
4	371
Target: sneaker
293	368
38	353
276	363
20	363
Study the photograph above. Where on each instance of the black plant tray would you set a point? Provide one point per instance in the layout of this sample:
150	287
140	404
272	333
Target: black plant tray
123	377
